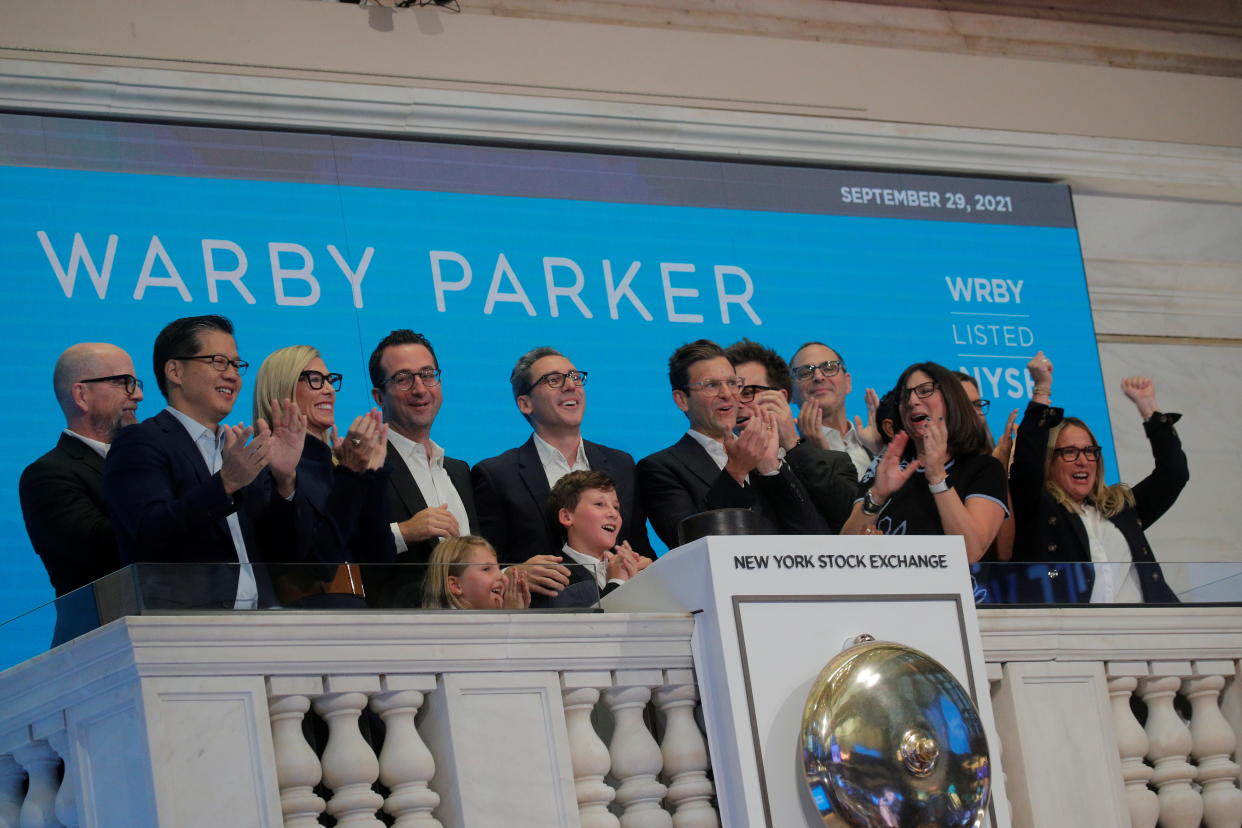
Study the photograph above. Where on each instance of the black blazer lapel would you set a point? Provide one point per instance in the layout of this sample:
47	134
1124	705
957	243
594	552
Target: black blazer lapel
530	470
407	497
79	452
695	458
180	441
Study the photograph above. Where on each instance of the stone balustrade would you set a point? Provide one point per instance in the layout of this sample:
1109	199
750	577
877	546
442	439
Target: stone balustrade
1105	717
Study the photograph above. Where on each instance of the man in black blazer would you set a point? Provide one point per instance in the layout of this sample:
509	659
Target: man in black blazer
61	496
710	467
512	489
430	496
829	477
183	488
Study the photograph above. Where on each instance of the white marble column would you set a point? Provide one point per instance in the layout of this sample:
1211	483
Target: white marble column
406	765
1132	746
635	755
1214	744
67	794
297	767
1169	744
12	777
41	764
350	767
587	751
685	753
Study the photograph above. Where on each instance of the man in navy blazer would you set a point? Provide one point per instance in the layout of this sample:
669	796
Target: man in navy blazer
512	489
710	467
61	493
183	488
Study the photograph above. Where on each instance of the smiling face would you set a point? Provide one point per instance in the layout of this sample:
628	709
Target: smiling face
829	391
1076	478
481	584
592	526
197	389
553	410
710	412
319	406
752	373
916	411
410	413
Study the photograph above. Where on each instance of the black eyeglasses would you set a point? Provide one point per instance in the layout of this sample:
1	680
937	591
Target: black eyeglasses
404	380
713	386
981	406
220	362
316	379
1070	453
750	391
129	381
828	369
555	379
923	390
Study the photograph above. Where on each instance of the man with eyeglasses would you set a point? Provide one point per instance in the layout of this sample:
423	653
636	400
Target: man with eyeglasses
512	489
828	476
712	468
61	493
184	488
430	495
821	384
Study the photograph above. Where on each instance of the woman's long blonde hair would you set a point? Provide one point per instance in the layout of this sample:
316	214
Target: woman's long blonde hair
278	377
1108	499
450	557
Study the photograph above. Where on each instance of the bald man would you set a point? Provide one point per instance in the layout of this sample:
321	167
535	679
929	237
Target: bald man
60	492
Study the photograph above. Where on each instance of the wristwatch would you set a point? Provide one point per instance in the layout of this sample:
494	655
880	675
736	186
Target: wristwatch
869	507
942	486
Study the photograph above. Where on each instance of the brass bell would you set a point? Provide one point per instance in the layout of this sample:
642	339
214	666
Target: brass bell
890	739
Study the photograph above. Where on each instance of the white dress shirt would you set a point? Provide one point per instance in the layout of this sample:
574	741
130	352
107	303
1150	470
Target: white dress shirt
555	466
598	567
1116	581
100	448
432	480
848	443
714	448
210	445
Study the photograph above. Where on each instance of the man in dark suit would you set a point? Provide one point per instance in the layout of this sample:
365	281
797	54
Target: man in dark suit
710	467
182	488
430	496
61	497
512	489
828	476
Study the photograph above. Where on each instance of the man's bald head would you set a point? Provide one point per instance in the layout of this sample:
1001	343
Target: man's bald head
95	409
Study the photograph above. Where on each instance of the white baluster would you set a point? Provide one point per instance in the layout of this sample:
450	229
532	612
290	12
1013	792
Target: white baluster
1132	745
1169	744
297	767
1214	742
685	757
12	777
41	764
67	796
349	765
406	765
590	759
636	759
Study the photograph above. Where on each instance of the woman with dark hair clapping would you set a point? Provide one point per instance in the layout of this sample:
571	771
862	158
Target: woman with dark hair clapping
1065	512
938	475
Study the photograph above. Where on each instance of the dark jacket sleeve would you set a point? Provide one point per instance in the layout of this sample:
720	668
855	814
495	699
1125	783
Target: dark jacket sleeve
791	508
68	527
492	511
830	480
1157	492
1026	476
151	523
667	496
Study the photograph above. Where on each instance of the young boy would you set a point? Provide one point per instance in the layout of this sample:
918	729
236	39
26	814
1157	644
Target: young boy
586	506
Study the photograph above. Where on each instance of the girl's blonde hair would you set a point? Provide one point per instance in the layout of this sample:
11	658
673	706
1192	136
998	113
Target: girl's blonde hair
278	377
450	557
1108	499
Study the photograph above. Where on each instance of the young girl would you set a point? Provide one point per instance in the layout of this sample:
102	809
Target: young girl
463	574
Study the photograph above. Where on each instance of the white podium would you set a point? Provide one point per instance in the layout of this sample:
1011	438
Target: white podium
770	611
